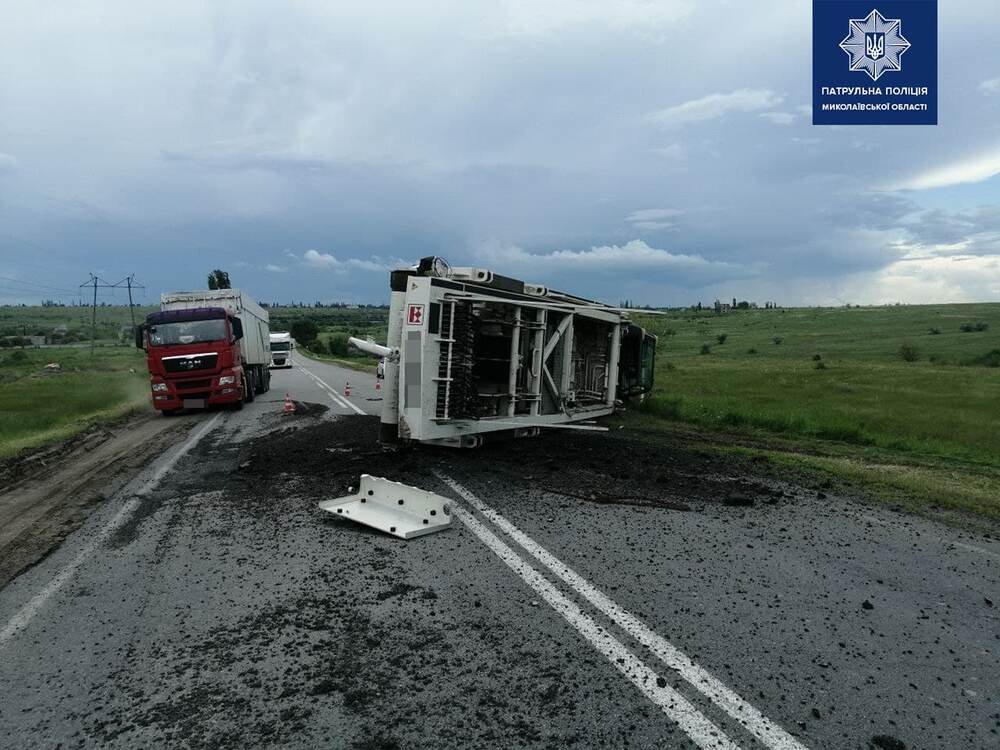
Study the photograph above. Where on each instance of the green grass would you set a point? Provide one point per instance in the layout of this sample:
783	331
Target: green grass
838	374
37	407
841	377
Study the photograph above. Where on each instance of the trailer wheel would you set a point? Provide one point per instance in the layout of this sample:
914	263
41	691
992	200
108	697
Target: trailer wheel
249	385
169	412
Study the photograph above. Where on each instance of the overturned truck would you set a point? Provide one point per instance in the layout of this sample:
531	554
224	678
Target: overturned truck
473	354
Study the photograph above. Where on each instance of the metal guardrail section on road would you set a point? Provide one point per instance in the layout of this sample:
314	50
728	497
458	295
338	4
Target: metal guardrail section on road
394	508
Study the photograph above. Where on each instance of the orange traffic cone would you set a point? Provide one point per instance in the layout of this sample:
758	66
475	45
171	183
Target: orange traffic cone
289	405
347	389
378	385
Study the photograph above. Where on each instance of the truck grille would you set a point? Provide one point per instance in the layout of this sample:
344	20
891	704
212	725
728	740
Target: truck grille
190	363
188	384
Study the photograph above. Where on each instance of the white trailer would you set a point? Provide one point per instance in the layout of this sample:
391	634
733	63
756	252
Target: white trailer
471	353
282	346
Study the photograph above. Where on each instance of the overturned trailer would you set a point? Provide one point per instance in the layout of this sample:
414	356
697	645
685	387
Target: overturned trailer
472	353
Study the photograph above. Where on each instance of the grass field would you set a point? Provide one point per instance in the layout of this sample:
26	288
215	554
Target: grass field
37	407
863	388
904	401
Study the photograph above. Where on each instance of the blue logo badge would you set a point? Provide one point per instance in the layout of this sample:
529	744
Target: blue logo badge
870	85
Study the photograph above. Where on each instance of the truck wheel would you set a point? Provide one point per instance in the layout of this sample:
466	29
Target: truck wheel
261	382
169	412
267	380
250	385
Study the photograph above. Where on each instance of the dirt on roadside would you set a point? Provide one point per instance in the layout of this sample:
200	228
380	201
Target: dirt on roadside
46	494
580	466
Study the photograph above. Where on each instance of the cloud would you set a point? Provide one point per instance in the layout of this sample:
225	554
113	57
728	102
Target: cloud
674	151
531	17
651	214
970	170
716	105
316	259
634	256
778	118
652	218
275	268
991	86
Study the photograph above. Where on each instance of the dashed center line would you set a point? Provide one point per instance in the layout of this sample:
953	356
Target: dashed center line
334	396
696	725
767	732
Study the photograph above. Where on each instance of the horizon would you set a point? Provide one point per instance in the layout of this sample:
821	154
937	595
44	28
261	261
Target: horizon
554	142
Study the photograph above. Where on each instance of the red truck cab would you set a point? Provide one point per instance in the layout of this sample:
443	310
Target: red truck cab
194	359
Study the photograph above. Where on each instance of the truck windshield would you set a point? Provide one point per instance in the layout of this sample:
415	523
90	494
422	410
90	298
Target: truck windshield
187	332
280	346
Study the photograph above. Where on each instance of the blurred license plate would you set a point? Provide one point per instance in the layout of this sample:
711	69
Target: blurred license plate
194	403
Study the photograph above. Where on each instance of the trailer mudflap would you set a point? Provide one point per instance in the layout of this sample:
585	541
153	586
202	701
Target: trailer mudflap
392	507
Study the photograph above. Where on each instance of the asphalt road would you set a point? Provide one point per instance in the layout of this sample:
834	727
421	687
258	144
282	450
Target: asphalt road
206	605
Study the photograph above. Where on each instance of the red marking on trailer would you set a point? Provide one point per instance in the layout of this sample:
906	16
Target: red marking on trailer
415	315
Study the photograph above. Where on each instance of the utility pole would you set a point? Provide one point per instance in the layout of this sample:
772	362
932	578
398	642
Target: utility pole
93	318
95	282
130	282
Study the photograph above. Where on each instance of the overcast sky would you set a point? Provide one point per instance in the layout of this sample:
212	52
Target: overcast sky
659	151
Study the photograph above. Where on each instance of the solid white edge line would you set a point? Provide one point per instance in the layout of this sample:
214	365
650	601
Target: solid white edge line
27	612
337	398
765	730
698	727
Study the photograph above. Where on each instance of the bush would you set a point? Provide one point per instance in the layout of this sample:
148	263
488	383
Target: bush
17	357
976	327
777	339
817	357
934	332
820	365
337	344
909	353
721	338
706	349
661	406
305	331
751	351
990	359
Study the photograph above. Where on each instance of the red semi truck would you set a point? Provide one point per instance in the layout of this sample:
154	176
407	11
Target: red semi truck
206	348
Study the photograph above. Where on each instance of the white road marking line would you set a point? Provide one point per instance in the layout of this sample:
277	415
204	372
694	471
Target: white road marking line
27	612
336	397
699	728
765	730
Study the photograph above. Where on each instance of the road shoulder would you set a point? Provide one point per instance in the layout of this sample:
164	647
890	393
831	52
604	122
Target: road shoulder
49	493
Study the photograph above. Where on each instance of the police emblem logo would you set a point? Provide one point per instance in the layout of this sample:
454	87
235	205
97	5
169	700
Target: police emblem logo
875	44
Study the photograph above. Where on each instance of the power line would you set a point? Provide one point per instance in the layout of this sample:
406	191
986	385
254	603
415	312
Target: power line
96	282
46	287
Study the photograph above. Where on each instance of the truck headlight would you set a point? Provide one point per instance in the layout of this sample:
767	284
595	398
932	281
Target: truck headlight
159	387
227	379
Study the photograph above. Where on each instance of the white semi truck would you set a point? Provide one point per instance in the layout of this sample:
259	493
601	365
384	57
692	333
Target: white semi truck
282	346
472	353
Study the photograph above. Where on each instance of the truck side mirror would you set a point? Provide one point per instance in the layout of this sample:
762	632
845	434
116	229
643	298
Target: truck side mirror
140	337
237	328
